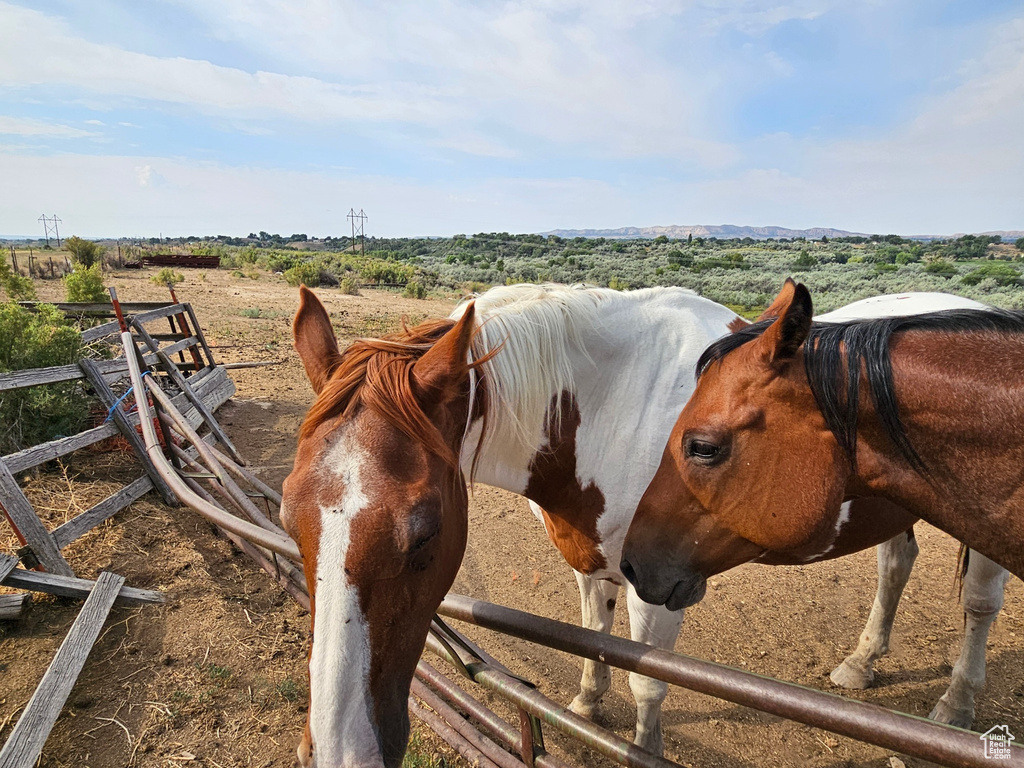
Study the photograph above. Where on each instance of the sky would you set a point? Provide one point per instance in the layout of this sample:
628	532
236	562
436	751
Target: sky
436	117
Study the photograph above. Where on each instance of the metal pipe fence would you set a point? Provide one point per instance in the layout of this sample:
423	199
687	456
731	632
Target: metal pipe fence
907	734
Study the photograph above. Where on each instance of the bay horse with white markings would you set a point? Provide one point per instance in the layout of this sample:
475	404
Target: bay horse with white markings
377	504
790	420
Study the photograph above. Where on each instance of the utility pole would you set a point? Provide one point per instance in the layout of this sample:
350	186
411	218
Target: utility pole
50	226
358	228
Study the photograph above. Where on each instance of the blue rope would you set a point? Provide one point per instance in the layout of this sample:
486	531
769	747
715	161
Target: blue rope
110	413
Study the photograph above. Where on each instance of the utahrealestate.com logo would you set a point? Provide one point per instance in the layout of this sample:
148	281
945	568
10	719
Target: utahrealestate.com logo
997	742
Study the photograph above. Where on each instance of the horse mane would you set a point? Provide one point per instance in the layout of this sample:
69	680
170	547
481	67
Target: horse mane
376	374
536	328
835	353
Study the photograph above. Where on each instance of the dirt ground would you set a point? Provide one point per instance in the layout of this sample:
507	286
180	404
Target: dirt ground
216	676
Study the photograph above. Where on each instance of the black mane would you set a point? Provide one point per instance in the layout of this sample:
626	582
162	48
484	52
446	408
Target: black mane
835	352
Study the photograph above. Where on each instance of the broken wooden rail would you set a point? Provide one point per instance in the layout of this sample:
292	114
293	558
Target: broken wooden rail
25	744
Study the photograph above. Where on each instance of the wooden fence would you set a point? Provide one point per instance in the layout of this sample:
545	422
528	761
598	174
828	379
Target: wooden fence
178	360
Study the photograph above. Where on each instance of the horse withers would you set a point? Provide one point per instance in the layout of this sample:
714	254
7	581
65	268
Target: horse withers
377	504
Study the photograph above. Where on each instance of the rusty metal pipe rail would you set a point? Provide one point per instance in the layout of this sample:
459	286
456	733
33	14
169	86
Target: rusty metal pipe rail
865	722
540	706
271	540
455	740
493	725
469	732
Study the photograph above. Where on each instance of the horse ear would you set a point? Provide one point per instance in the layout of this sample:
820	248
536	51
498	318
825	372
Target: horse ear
783	338
781	301
443	368
314	339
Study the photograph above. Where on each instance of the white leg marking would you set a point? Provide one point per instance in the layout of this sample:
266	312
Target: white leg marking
597	604
895	561
982	601
339	666
657	626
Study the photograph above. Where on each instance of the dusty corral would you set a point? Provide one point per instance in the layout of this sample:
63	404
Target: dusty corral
216	677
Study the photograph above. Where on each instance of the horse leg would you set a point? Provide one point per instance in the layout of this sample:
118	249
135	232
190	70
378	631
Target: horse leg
983	586
895	561
597	604
654	625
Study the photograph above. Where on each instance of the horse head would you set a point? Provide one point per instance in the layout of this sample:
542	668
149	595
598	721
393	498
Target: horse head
377	504
749	442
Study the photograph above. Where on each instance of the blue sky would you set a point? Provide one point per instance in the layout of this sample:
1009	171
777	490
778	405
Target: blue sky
197	117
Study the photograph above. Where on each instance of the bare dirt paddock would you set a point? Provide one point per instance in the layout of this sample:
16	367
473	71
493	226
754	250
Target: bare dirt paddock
216	677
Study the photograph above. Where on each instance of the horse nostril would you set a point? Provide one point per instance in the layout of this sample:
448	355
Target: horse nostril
627	571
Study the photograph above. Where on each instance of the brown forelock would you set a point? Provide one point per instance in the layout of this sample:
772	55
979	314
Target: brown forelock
375	373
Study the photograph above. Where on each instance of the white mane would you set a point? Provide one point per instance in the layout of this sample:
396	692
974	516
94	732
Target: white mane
537	327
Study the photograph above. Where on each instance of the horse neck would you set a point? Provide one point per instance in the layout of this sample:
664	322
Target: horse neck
630	375
962	405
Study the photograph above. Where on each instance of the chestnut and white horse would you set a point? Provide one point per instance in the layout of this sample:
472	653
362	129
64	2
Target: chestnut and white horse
563	395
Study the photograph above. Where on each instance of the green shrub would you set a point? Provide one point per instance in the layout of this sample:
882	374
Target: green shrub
37	340
678	259
414	290
940	267
167	277
1003	274
18	288
805	260
84	252
348	286
617	284
86	284
307	274
377	271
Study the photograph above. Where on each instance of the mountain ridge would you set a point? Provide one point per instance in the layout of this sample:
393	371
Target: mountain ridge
729	231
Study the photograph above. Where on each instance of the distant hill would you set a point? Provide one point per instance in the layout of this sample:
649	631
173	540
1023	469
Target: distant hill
722	231
729	231
1008	235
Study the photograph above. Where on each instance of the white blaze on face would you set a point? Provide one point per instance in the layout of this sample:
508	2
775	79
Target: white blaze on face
339	666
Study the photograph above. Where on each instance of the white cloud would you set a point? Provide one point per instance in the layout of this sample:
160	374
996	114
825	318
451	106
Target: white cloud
108	70
145	176
15	126
563	72
755	17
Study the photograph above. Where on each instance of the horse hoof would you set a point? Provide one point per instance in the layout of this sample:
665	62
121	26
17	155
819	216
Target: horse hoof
846	675
943	713
652	741
583	707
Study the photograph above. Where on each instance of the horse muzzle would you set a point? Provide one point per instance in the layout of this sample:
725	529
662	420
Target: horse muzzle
674	586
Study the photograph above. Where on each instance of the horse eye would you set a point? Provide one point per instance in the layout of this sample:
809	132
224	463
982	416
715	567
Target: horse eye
702	451
422	541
